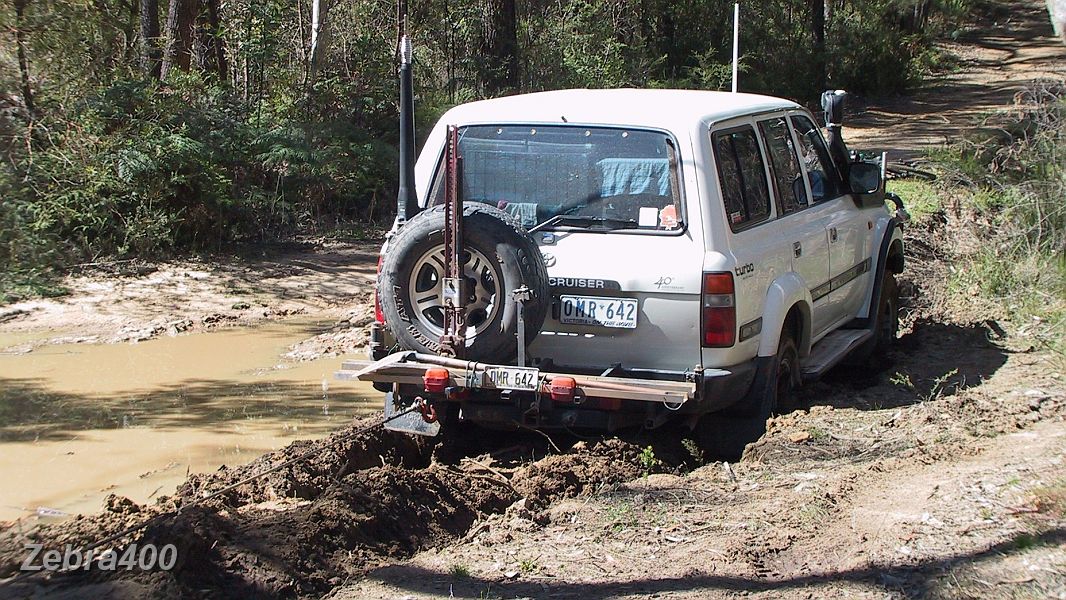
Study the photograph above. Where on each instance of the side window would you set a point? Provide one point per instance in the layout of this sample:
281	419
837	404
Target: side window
788	176
743	177
820	171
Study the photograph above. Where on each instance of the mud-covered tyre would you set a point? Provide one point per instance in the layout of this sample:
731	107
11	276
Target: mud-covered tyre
788	377
886	327
500	256
724	435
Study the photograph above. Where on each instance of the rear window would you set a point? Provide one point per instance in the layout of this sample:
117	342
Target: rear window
742	176
571	177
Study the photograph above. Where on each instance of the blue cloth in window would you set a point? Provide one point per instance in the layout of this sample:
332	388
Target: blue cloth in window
625	176
817	185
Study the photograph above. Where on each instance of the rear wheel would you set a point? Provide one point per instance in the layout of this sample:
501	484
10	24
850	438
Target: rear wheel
788	377
725	434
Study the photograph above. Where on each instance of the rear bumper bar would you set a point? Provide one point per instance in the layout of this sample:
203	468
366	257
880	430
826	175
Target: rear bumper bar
700	390
407	368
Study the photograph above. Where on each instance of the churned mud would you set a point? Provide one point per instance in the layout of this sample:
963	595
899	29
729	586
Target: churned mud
306	529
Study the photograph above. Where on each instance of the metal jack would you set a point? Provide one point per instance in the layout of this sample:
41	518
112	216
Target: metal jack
521	296
453	341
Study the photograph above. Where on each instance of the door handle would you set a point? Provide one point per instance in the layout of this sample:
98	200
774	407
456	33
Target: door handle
832	234
797	249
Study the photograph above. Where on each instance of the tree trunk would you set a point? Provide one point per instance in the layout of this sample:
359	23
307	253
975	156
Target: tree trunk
24	62
130	49
150	54
319	43
667	39
500	47
181	24
213	46
817	15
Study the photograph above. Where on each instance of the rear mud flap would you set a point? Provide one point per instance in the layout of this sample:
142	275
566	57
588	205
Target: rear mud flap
411	422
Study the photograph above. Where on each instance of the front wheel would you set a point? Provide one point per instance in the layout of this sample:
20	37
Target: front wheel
887	325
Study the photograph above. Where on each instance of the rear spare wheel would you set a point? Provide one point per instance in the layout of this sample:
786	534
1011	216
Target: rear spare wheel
499	257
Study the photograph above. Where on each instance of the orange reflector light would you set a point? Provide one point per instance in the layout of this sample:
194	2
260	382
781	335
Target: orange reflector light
436	379
562	389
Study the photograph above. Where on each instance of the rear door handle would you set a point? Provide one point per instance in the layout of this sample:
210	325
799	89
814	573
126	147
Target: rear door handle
797	249
832	234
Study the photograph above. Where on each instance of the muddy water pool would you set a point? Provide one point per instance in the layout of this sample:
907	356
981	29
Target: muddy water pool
81	421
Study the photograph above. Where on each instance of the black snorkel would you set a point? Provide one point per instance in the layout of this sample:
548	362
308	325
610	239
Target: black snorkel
833	105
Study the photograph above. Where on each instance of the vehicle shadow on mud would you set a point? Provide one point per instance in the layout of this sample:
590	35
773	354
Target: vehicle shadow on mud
934	359
911	579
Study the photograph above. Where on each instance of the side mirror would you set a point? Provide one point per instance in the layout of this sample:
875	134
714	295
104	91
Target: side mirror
833	105
864	178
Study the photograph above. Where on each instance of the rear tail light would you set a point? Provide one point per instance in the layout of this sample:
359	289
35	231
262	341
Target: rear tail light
436	379
719	310
379	316
562	389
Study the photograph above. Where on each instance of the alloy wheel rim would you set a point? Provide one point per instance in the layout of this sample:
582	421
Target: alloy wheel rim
426	291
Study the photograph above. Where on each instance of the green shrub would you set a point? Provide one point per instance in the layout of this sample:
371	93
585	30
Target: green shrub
1016	180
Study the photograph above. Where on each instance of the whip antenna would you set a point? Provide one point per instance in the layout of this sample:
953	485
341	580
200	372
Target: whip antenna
406	198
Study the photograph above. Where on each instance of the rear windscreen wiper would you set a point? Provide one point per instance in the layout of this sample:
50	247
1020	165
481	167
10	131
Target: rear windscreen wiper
598	223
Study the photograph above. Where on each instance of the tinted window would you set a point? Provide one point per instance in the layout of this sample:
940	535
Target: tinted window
578	176
787	174
820	172
742	176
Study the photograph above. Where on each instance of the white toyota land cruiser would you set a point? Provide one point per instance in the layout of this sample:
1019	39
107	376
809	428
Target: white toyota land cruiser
661	254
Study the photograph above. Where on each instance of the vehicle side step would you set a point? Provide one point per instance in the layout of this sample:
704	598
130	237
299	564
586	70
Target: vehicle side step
832	349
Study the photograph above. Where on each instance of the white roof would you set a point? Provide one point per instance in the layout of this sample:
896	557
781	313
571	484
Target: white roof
659	108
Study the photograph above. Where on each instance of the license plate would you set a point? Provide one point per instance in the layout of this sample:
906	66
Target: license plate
513	378
594	310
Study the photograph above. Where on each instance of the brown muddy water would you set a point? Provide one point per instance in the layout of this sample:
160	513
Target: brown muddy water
81	421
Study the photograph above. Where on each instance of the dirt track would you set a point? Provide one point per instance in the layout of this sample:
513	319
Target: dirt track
983	72
940	475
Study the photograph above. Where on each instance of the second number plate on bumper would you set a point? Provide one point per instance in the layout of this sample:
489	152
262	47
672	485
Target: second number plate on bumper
593	310
513	378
